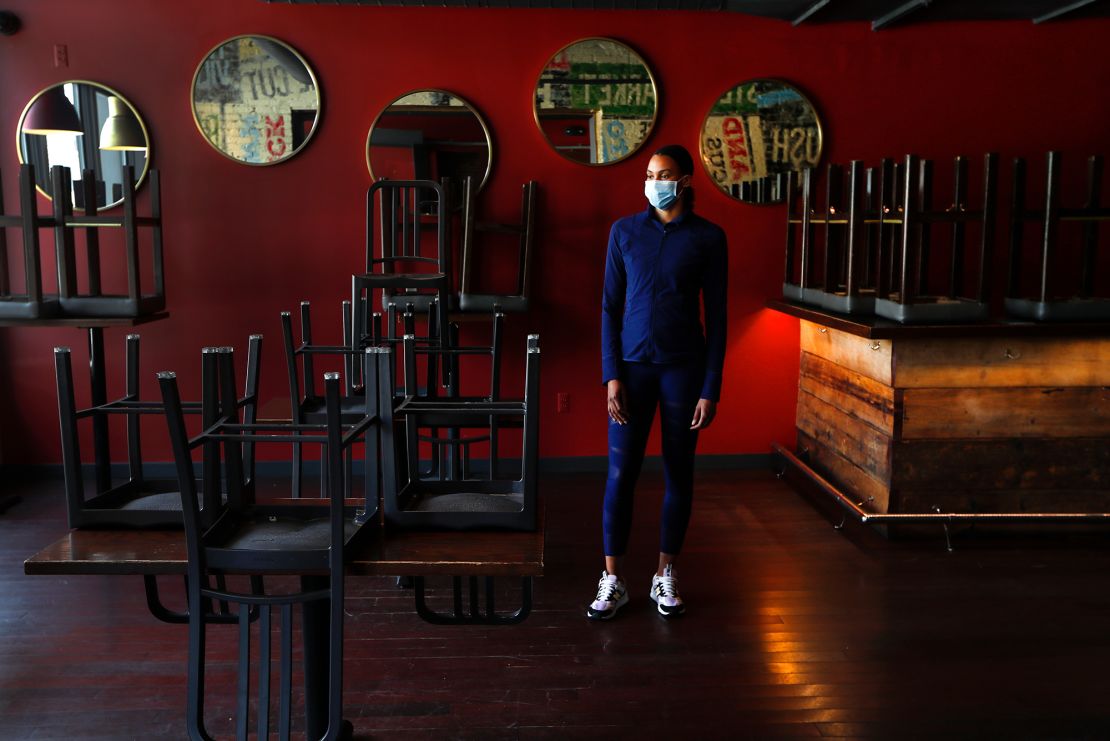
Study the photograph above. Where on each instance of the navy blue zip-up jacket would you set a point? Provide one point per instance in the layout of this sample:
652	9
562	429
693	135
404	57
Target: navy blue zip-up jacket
650	310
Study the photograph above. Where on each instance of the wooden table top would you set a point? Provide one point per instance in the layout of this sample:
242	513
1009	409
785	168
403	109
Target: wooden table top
395	553
876	328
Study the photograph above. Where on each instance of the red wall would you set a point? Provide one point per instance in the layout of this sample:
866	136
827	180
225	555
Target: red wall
244	243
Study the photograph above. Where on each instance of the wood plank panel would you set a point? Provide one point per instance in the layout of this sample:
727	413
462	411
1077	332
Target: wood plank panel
873	494
1003	500
849	437
1057	412
871	358
1038	361
1002	464
853	393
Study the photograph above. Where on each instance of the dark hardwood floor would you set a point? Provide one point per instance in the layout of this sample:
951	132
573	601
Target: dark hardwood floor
794	630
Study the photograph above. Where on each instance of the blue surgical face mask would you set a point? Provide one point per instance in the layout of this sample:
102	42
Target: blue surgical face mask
661	194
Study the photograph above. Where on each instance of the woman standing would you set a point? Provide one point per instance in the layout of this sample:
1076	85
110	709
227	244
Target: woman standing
654	353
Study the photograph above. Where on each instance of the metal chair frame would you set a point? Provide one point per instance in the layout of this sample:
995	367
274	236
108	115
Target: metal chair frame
524	230
257	538
32	303
122	504
1084	303
421	502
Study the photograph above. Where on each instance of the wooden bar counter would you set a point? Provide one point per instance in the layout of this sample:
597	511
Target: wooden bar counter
1004	417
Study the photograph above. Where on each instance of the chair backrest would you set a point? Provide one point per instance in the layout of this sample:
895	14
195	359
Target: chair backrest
403	208
524	230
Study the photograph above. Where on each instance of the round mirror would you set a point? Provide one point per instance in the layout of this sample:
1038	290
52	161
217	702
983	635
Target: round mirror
596	101
83	126
756	133
256	100
429	135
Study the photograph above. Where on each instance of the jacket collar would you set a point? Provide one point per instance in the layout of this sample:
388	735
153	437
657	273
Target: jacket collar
647	216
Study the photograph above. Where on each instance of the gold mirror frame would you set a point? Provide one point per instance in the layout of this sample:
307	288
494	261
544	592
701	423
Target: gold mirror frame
654	93
315	84
712	156
109	92
465	104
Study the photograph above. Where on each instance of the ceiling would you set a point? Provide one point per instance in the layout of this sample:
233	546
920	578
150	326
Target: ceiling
880	13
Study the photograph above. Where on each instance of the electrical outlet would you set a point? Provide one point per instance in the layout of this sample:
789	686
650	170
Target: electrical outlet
562	402
61	55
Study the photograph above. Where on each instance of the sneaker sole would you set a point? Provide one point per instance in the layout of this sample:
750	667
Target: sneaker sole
593	615
673	612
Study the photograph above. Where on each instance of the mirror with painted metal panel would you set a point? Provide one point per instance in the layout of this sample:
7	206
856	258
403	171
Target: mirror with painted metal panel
83	125
756	133
429	135
596	101
256	100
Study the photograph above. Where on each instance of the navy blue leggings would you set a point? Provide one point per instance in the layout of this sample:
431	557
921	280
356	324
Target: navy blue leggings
675	389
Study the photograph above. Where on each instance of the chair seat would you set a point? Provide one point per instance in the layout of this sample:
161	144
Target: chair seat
276	539
401	280
464	501
112	305
486	302
351	409
22	307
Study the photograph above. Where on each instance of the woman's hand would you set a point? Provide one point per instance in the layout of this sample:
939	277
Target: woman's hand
618	412
704	413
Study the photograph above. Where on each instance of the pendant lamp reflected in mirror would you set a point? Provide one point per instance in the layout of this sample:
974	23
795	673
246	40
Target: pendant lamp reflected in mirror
122	131
52	113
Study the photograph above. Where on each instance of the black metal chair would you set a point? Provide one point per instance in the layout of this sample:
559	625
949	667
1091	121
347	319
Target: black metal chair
93	302
405	272
30	302
450	451
142	499
499	501
916	264
1064	289
307	406
310	538
524	231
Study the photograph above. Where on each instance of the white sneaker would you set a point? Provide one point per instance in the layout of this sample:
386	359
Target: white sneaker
611	596
664	593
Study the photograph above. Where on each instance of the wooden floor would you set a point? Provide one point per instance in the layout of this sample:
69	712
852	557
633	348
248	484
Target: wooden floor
794	630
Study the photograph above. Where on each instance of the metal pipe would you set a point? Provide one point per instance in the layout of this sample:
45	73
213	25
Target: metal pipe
897	13
864	516
1062	10
809	12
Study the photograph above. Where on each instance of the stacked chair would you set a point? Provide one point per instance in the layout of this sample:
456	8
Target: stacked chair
259	538
879	255
427	410
142	499
400	395
1062	289
85	299
887	242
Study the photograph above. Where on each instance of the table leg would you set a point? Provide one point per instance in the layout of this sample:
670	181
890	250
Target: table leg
314	627
315	621
99	395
